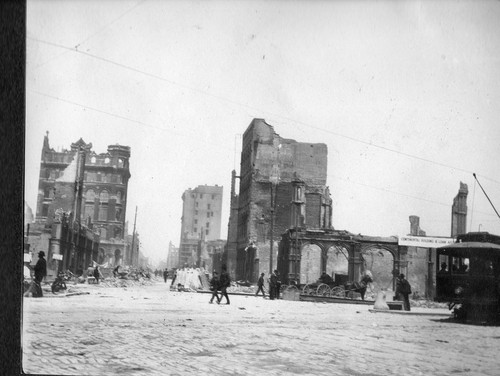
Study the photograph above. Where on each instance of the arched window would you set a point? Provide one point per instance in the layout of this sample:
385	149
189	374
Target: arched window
104	196
93	160
90	195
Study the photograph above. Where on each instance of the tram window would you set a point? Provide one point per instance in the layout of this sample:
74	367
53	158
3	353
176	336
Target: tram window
460	265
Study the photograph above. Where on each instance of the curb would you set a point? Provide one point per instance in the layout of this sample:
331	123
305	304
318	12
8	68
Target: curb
410	313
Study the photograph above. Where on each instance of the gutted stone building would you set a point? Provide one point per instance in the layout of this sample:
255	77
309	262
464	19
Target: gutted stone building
282	186
92	188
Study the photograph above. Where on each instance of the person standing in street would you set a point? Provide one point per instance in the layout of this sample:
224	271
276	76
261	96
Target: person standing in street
214	287
260	285
40	273
403	291
225	282
97	274
274	285
165	275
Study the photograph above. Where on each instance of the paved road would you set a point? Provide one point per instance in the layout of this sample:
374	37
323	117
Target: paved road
152	331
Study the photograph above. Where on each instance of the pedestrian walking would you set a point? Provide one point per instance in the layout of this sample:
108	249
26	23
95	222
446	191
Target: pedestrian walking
40	274
225	282
165	275
260	285
403	290
97	274
274	286
215	287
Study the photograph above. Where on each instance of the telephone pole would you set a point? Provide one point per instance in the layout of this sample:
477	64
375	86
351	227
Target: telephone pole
132	257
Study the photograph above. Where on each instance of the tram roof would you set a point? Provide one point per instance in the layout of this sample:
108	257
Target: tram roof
469	248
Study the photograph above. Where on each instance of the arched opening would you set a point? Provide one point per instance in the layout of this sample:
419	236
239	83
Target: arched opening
310	263
380	262
337	263
118	257
101	256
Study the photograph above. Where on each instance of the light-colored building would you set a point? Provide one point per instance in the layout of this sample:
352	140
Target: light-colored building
200	222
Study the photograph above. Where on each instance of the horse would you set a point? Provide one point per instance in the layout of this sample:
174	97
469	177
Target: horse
359	287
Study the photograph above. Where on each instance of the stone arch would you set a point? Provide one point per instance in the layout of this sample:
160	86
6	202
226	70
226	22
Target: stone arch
101	256
379	260
337	262
311	261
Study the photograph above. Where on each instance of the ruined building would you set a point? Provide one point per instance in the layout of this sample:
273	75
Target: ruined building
200	223
459	211
89	190
282	186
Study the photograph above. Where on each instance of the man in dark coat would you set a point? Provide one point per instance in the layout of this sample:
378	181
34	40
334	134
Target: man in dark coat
40	273
274	286
165	275
403	290
225	282
260	285
97	274
214	287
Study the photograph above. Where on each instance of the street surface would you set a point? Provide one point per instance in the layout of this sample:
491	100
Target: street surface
149	330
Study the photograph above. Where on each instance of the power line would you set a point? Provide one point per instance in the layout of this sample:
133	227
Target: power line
218	146
354	139
399	193
92	35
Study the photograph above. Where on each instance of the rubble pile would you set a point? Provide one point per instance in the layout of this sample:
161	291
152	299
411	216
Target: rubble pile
120	282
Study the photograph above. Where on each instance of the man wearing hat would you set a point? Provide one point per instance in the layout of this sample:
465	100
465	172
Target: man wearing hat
40	272
274	286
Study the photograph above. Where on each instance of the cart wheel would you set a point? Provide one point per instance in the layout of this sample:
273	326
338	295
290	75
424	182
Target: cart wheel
308	290
323	290
338	291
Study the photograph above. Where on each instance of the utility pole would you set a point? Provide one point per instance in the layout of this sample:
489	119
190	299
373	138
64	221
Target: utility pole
133	239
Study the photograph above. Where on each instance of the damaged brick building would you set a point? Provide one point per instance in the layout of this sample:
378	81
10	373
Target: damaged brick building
282	185
85	192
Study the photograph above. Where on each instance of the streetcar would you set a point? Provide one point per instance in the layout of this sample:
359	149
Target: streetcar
468	277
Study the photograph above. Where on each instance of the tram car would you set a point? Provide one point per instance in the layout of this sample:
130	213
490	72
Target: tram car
468	277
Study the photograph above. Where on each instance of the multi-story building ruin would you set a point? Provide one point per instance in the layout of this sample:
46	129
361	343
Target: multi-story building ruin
282	186
200	223
90	187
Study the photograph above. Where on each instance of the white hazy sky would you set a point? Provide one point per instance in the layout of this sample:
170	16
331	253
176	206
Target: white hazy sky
405	94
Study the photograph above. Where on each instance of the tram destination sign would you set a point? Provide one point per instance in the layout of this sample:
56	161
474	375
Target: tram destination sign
424	241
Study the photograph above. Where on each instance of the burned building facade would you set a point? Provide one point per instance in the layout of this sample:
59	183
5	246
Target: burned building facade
86	191
282	186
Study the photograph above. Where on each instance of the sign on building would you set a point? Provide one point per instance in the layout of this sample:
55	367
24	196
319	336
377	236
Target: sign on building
424	241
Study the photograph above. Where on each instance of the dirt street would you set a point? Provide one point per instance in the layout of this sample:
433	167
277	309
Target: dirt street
149	330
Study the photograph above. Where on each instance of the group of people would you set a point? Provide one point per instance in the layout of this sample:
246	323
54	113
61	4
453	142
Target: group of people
220	284
274	285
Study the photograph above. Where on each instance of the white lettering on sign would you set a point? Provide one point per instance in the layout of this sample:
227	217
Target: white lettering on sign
424	241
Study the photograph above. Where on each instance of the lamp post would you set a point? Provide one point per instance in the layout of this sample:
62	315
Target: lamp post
274	179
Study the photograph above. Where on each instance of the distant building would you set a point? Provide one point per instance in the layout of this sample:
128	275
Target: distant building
87	189
172	256
283	186
200	222
459	212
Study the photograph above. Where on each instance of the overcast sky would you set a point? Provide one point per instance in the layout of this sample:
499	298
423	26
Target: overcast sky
404	94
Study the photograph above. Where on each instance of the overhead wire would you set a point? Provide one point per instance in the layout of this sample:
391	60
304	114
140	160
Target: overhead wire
354	139
93	34
218	146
